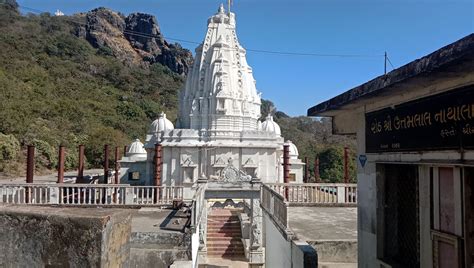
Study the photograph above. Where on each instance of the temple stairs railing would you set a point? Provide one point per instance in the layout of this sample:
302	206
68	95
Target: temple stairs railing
89	194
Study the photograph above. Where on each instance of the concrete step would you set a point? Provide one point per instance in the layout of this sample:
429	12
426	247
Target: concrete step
220	235
223	231
227	243
223	238
223	224
337	265
223	228
214	251
230	247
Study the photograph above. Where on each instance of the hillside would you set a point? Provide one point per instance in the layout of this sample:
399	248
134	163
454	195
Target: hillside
58	88
314	138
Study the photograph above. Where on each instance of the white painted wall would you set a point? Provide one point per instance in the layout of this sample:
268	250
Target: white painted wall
278	249
195	247
279	252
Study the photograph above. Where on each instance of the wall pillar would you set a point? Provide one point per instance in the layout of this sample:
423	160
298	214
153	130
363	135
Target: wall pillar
316	170
80	167
30	164
61	165
106	164
116	165
30	170
286	166
158	163
306	170
346	164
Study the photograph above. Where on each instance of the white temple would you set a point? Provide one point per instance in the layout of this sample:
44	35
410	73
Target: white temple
218	122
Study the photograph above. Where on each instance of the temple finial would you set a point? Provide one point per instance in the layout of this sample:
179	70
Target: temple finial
221	9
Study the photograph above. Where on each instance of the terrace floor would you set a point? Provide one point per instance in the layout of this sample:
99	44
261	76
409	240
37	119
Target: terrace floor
331	231
323	223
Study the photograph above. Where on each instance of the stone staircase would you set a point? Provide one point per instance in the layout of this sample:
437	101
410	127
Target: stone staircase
224	236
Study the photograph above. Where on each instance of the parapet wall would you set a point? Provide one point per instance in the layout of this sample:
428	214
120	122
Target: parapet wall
33	236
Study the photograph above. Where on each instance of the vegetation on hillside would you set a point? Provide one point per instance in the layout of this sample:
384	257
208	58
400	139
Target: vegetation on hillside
314	138
57	89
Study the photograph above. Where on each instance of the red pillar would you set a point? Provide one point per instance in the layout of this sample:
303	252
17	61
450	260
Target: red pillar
106	163
346	165
158	163
316	169
61	165
80	167
30	170
117	167
286	166
306	170
125	150
30	164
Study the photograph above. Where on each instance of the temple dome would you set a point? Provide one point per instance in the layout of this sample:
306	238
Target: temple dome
271	126
293	150
161	124
136	148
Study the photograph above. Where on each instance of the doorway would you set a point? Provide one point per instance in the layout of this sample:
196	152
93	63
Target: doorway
398	215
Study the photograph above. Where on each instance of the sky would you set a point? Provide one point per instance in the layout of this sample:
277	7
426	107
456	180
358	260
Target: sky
405	29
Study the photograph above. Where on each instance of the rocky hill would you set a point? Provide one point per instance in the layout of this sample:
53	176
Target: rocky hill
135	39
81	79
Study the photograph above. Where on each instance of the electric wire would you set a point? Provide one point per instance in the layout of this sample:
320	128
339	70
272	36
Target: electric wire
152	36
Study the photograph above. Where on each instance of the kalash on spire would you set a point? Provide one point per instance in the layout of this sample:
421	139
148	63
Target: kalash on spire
220	92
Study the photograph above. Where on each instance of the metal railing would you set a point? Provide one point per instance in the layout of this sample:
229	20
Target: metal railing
317	193
89	194
275	205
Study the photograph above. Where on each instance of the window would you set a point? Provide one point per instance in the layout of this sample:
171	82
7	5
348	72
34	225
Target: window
133	176
292	177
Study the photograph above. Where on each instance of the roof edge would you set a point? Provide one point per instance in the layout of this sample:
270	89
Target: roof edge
431	62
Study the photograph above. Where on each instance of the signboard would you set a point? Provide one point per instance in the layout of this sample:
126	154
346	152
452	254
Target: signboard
440	122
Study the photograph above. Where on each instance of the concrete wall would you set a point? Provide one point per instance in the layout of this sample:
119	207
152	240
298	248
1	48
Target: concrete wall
64	237
195	246
283	252
158	249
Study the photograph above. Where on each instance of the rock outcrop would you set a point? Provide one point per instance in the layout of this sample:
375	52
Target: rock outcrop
135	39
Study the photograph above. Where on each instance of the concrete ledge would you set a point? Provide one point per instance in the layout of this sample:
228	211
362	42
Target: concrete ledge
64	237
342	205
340	251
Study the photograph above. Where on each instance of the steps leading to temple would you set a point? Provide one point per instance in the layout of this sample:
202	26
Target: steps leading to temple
224	236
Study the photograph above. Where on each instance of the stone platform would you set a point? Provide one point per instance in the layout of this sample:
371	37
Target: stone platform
331	231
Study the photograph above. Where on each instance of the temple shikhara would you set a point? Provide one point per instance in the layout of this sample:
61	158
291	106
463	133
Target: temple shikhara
218	124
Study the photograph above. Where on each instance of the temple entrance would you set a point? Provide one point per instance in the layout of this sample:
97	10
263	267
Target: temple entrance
231	222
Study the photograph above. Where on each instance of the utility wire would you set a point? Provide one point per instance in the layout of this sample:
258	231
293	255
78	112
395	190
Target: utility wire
388	59
152	36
